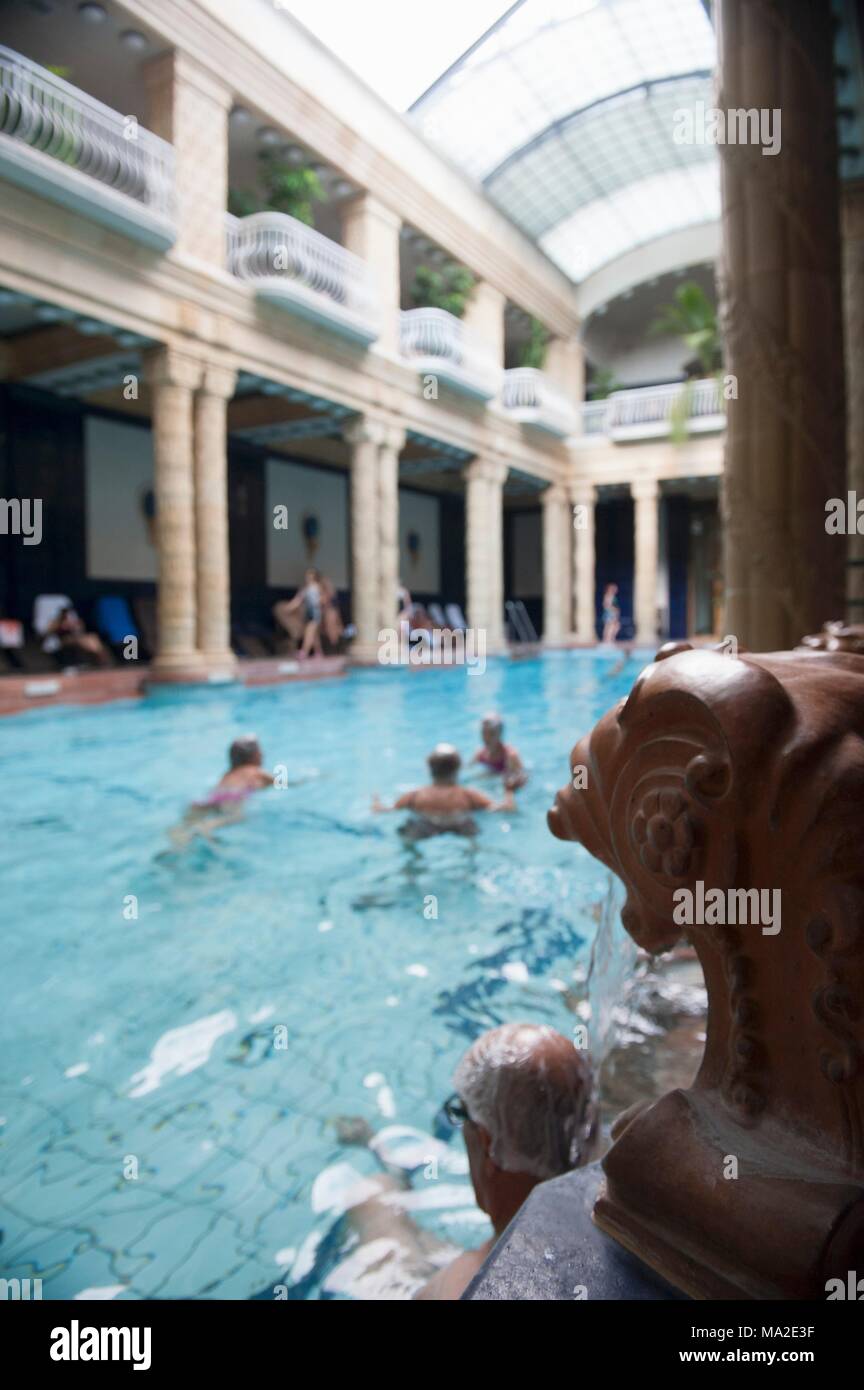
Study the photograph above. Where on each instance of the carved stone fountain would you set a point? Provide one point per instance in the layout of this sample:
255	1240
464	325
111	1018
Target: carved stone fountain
742	773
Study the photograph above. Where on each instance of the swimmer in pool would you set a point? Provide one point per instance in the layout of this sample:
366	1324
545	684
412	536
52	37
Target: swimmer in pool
224	803
444	807
499	757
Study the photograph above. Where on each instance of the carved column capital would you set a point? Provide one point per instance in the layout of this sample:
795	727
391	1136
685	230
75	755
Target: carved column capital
486	470
365	429
166	366
218	381
644	489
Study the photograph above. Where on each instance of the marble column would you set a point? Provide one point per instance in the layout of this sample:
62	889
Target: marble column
388	524
781	314
853	320
188	106
484	320
173	379
365	437
565	365
371	231
557	582
484	548
584	583
645	493
211	517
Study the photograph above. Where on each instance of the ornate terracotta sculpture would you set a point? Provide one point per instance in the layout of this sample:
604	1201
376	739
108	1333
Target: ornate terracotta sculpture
837	637
742	773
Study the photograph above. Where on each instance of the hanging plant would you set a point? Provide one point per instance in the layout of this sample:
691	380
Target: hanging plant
449	288
282	188
533	353
602	384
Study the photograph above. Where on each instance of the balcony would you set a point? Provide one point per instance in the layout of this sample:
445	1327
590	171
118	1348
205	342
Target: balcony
296	267
532	398
64	145
436	343
653	412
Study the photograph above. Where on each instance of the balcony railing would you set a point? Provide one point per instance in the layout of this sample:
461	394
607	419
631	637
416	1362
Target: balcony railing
437	344
65	145
534	399
293	265
694	407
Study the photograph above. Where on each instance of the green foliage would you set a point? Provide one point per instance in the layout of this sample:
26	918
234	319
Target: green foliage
282	187
693	318
448	288
534	352
602	384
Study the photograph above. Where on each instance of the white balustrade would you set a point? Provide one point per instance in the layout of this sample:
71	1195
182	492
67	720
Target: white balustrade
437	341
533	397
43	114
286	259
650	411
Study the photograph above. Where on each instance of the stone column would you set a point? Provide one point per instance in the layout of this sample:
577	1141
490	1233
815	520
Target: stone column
645	493
781	315
371	231
388	524
565	365
584	583
365	437
484	320
557	582
189	107
484	549
853	319
173	379
211	517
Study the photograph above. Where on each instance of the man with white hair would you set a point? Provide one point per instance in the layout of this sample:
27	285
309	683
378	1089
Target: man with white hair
524	1101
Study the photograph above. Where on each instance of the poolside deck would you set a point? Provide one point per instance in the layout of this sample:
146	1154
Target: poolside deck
83	687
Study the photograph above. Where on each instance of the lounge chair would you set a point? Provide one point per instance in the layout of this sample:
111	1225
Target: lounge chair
455	617
112	618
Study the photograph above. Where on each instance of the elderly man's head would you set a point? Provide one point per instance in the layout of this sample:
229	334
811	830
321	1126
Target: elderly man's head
526	1094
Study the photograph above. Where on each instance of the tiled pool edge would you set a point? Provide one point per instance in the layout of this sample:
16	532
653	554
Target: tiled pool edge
18	694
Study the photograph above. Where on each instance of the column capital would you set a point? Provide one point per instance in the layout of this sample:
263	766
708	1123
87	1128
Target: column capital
394	437
554	495
486	470
644	489
165	366
218	381
166	69
365	429
367	204
583	494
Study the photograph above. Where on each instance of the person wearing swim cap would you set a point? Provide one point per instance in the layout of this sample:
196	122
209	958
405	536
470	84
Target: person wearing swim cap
499	757
223	804
444	806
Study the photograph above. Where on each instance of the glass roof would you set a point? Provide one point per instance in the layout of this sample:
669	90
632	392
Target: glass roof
565	111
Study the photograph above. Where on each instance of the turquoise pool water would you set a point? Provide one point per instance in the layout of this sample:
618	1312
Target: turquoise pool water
177	1086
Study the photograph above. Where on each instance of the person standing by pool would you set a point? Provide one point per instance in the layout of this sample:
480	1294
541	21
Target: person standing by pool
611	613
309	598
500	757
444	806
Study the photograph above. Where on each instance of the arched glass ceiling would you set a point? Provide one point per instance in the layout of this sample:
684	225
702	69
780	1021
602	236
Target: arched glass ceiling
565	112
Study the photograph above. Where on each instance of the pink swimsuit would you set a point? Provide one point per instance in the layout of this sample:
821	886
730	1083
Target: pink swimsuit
496	764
